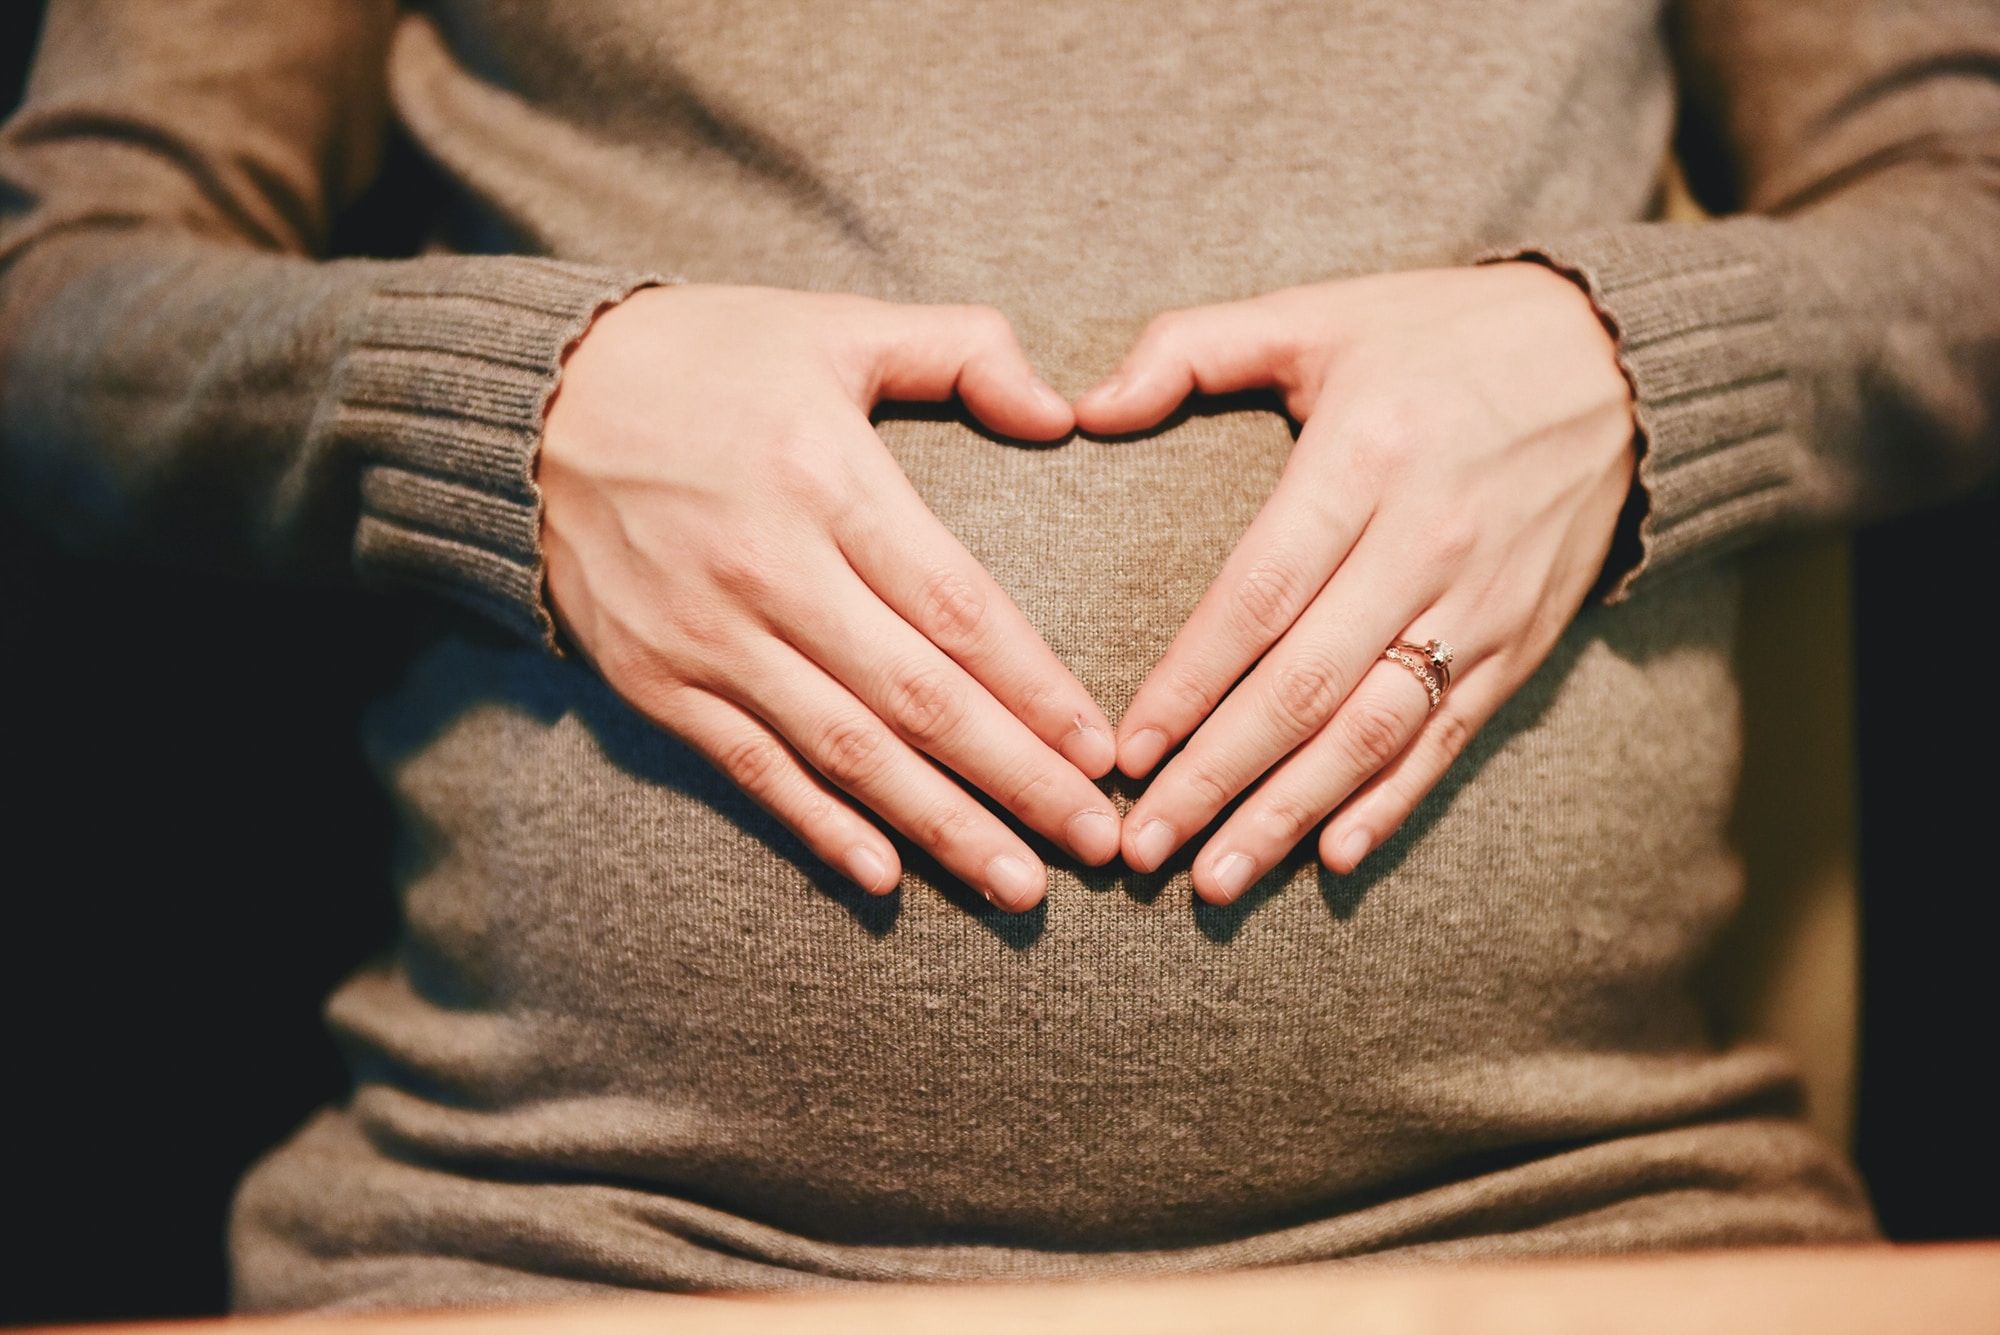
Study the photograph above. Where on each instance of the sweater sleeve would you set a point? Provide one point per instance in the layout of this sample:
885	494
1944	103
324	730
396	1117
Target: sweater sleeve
1827	349
183	376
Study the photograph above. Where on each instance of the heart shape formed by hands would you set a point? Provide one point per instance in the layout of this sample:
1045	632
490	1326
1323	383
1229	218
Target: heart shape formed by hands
1467	447
753	571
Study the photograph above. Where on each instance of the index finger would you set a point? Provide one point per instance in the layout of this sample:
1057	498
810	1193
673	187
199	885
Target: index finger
1283	559
918	567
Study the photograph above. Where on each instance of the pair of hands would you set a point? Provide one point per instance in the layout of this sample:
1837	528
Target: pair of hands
731	545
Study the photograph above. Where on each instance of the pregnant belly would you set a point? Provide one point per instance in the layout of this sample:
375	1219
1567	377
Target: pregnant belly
617	967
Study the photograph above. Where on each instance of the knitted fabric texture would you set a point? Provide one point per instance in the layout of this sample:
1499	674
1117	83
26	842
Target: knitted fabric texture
632	1034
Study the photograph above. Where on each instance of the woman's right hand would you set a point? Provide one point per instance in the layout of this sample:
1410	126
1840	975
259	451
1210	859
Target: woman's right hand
735	550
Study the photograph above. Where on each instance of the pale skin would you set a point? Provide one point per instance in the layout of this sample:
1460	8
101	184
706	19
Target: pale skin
753	572
731	545
1466	445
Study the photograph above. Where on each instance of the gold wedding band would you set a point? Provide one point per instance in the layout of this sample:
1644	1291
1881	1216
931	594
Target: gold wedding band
1429	663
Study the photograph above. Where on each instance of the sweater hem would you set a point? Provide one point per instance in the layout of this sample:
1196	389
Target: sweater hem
1694	316
444	389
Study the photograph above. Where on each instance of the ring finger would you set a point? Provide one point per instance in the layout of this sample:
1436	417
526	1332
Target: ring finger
1369	730
757	761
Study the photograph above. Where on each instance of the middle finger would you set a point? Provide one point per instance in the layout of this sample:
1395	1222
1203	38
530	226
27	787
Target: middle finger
1369	730
936	706
845	740
1285	699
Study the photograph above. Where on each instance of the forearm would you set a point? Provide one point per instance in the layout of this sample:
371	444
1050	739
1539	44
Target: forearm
1826	351
183	375
195	400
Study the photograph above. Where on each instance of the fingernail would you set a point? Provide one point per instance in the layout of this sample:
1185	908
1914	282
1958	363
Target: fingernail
866	868
1353	848
1093	835
1155	841
1232	873
1051	398
1142	751
1012	881
1089	748
1109	388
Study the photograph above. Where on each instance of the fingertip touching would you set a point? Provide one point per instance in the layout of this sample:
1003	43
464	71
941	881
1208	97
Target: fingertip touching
1089	747
1140	751
1130	399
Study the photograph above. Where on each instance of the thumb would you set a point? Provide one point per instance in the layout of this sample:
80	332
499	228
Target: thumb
1215	349
930	352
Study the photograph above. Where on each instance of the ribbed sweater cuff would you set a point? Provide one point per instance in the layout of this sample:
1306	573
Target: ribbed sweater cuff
442	389
1694	311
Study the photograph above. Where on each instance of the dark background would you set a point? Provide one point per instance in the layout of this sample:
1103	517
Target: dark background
197	854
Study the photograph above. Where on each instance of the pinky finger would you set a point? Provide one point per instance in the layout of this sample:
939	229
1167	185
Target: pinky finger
1380	806
755	759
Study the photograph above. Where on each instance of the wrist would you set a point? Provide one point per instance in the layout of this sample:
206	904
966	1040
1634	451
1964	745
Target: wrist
439	389
1590	344
1696	311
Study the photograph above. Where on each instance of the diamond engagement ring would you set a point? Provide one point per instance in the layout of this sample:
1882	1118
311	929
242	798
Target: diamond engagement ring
1429	663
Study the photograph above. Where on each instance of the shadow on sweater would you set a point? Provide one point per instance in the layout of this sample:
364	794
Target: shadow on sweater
468	664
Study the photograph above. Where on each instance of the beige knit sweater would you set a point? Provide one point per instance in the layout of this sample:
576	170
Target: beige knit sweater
632	1035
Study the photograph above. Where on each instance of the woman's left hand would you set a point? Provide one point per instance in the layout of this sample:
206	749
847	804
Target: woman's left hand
1466	447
